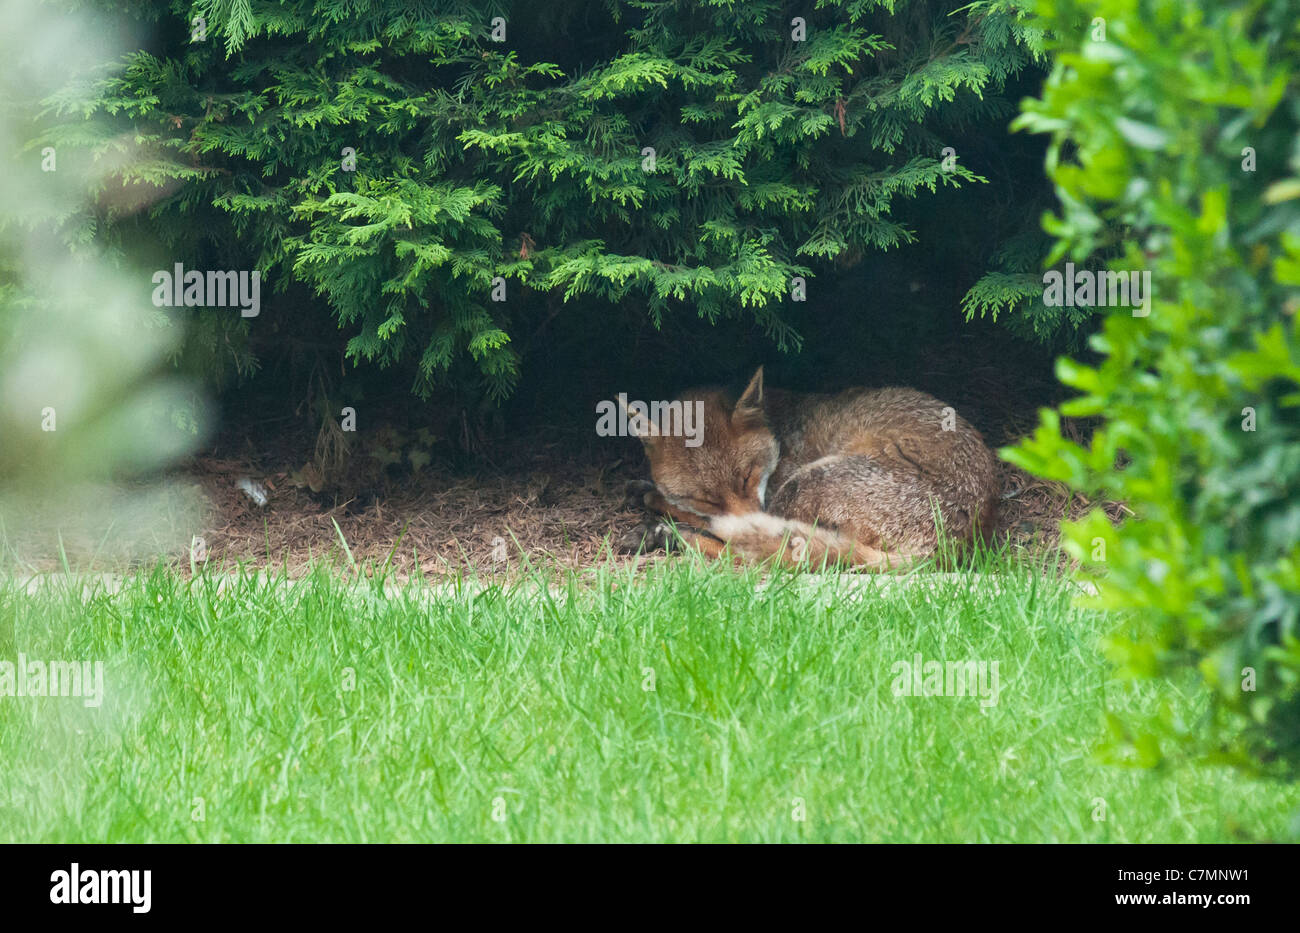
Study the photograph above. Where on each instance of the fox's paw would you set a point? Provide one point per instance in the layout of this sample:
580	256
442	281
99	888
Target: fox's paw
648	536
636	495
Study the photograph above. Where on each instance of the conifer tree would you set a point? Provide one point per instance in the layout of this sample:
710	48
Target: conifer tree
408	163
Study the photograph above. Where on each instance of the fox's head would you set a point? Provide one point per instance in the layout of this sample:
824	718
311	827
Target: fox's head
726	471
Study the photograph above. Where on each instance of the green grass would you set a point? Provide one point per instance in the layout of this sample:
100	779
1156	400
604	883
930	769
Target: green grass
533	704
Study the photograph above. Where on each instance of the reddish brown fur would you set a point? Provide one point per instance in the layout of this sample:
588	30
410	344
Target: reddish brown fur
854	477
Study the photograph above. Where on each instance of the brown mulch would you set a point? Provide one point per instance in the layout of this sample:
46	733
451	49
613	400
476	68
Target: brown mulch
542	511
553	500
439	521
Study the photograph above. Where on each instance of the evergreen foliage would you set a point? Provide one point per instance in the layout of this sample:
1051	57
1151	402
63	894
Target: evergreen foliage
528	160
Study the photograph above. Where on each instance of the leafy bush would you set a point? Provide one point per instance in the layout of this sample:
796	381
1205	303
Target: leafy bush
529	160
1176	147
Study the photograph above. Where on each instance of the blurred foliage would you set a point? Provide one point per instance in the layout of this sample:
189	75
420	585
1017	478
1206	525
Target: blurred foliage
1175	132
86	396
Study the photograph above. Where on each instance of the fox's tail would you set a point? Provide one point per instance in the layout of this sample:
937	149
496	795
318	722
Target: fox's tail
760	536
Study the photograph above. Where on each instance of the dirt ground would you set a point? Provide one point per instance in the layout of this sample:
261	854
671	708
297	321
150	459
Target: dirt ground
480	502
542	505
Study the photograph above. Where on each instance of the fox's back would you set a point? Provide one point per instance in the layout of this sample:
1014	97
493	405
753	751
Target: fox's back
903	431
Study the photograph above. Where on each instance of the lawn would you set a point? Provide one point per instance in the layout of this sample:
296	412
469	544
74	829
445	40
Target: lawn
682	703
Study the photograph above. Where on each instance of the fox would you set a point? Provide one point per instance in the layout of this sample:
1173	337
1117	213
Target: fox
862	478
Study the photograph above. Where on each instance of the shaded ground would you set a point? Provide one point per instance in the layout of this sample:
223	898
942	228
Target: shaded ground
444	497
547	506
550	510
545	500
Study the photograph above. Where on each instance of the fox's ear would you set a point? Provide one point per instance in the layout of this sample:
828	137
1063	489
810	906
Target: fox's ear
638	425
749	410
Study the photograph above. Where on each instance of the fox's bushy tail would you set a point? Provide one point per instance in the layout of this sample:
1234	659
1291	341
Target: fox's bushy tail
760	536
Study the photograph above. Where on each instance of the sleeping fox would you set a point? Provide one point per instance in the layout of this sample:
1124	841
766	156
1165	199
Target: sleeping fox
855	478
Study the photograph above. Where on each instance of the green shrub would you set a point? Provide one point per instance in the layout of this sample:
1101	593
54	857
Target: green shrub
526	160
1176	149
